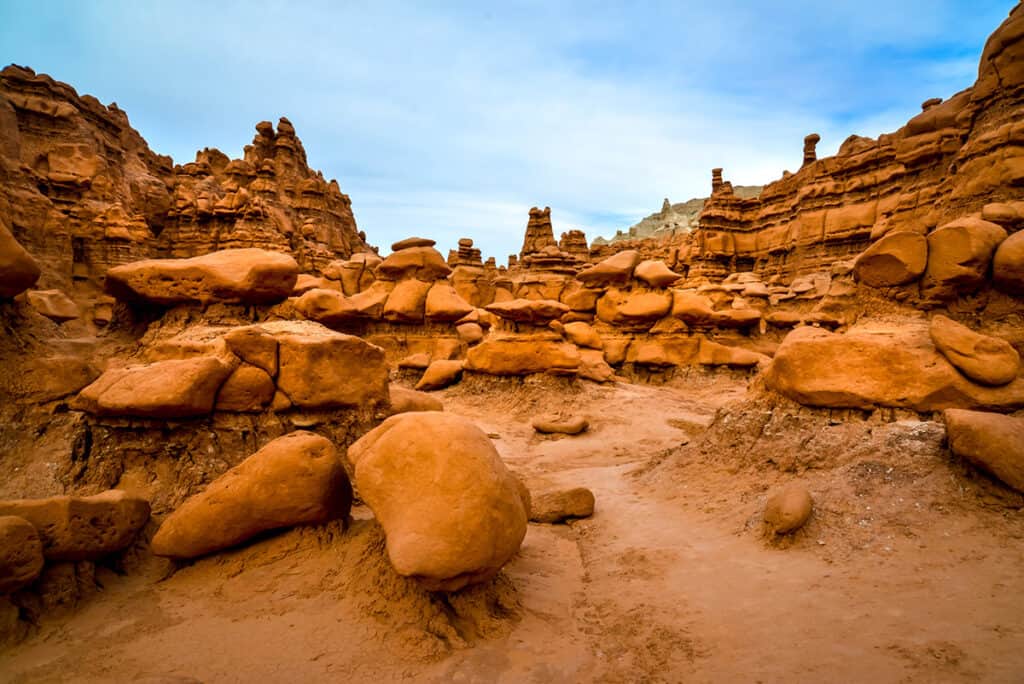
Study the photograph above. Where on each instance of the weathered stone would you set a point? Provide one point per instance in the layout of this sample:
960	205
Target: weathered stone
53	304
412	242
445	304
255	346
715	354
991	441
896	259
1008	265
422	263
297	479
21	554
615	270
959	255
984	359
788	509
553	424
470	333
633	308
523	355
75	528
247	389
655	273
407	301
562	504
440	374
583	335
404	400
247	276
536	311
18	270
594	367
451	511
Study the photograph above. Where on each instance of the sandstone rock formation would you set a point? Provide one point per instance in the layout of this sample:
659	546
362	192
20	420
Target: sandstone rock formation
993	442
560	505
452	513
297	479
788	509
21	553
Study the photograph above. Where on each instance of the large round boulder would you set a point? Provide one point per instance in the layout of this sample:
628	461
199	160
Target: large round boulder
294	480
452	512
898	258
1008	265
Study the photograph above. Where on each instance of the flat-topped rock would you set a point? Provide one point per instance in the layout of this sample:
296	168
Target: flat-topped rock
560	505
412	242
53	304
523	355
73	528
297	479
556	424
537	311
241	276
423	263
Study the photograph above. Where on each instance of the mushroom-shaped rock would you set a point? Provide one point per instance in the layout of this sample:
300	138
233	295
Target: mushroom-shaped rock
788	509
53	304
297	479
984	359
412	242
452	512
18	270
175	388
21	553
615	270
959	254
423	263
440	374
523	355
655	273
245	276
536	311
405	400
896	259
583	335
559	505
445	304
1008	265
74	528
991	441
555	424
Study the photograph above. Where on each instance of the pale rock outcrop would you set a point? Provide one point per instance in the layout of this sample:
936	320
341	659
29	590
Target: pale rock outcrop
297	479
897	258
982	358
74	528
245	276
451	511
991	441
21	554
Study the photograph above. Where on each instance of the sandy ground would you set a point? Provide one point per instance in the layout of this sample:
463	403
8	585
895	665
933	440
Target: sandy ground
670	580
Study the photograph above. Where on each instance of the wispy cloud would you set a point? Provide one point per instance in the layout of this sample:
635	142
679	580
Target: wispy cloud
450	120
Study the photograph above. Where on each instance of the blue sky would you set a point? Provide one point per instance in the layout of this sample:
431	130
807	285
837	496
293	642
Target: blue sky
452	119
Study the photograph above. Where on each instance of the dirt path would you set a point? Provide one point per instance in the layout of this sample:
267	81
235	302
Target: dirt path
657	586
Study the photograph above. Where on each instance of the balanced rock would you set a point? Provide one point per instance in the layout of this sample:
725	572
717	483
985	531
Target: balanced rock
655	273
615	270
21	553
1008	265
74	528
788	509
174	388
243	276
896	259
405	400
560	505
53	304
297	479
451	511
18	270
991	441
412	242
984	359
553	424
440	374
422	262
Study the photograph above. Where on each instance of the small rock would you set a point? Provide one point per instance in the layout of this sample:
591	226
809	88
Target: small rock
556	424
440	374
404	400
559	505
21	553
788	509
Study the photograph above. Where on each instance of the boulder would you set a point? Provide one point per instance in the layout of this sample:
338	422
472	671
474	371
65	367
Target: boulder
562	504
445	304
583	335
53	304
440	374
788	509
555	424
329	307
615	270
895	367
715	354
635	307
417	361
896	259
578	297
984	359
412	242
452	513
248	389
664	351
423	263
959	255
470	333
523	355
74	528
404	400
407	301
692	308
1008	265
243	276
991	441
369	303
307	282
594	367
175	388
536	311
297	479
18	270
21	554
320	368
655	273
255	346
